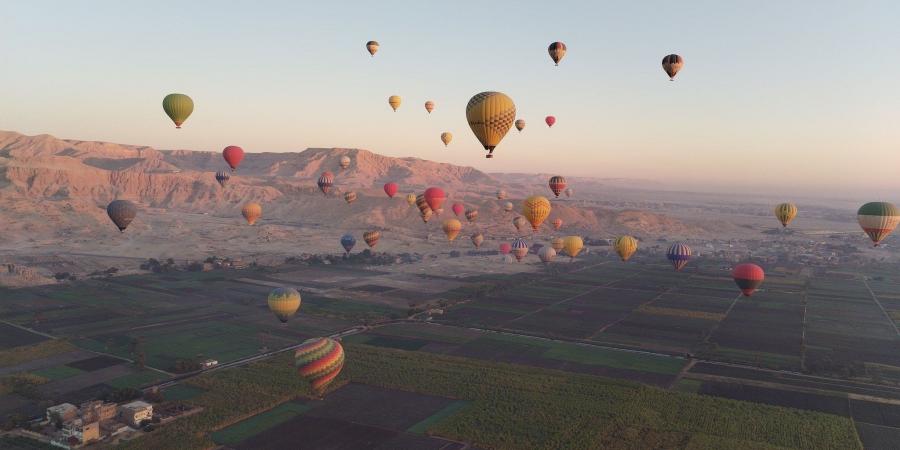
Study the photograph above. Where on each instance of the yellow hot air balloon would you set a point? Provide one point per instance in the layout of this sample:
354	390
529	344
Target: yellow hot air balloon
394	101
451	228
490	115
558	243
536	209
625	246
252	212
446	137
411	199
572	245
785	213
284	303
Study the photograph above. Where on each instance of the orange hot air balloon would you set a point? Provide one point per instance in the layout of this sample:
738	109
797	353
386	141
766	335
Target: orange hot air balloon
429	106
471	215
490	116
371	238
573	245
252	212
536	209
451	228
446	137
557	223
394	101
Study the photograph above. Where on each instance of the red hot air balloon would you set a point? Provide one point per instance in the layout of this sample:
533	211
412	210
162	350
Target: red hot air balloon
326	181
505	248
748	277
557	223
435	197
557	185
391	189
550	120
459	209
233	156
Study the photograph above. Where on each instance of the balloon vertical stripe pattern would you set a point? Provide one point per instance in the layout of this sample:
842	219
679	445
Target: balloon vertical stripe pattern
178	107
785	212
490	116
672	64
878	220
519	248
557	185
625	246
326	180
679	254
557	51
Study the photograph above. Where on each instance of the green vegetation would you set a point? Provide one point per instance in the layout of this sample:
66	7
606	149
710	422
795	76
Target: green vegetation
451	409
182	391
675	312
687	385
18	355
22	443
58	372
137	379
23	384
259	423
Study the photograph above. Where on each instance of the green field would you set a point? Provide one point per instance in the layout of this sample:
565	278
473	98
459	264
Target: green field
137	380
261	422
182	391
451	409
57	372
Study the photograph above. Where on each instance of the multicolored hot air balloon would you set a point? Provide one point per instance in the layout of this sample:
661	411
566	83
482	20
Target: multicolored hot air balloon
785	213
372	237
748	277
557	51
458	209
547	254
557	185
477	239
350	197
326	181
252	212
348	241
573	245
391	190
471	215
625	246
411	199
446	137
519	222
569	192
435	197
679	254
519	248
178	107
429	106
501	194
222	177
558	244
121	212
424	210
490	115
878	220
233	156
345	162
520	124
557	223
451	228
372	47
505	248
507	207
672	64
550	120
284	303
536	209
394	101
319	361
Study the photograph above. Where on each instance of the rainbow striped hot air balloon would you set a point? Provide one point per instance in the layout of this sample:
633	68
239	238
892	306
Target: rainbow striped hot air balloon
878	220
679	254
319	360
748	277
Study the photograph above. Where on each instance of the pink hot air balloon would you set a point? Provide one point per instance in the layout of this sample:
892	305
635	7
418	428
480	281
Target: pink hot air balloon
505	248
391	189
233	156
459	209
435	197
550	120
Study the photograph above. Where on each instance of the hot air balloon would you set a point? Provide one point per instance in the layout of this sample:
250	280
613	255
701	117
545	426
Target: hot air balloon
558	244
326	180
547	254
573	245
519	248
569	192
505	248
319	361
411	199
350	197
557	51
451	228
458	209
878	220
672	64
424	209
519	222
477	239
391	190
536	209
178	107
446	137
490	115
372	47
520	124
748	277
394	101
429	106
345	162
348	241
508	206
785	213
252	212
679	254
222	177
371	238
550	120
557	185
426	215
284	303
121	212
501	194
233	156
471	215
557	223
435	197
625	246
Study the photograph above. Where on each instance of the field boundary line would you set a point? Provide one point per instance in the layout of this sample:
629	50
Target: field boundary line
883	311
24	328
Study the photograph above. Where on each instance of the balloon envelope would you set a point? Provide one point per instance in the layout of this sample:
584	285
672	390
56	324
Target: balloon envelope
471	215
284	303
345	162
520	124
878	220
625	246
505	248
672	64
121	212
435	197
371	238
490	116
178	107
547	254
477	239
372	47
679	254
451	228
557	185
233	156
519	248
557	51
326	180
394	101
573	245
391	189
222	177
319	361
446	137
536	209
252	212
748	277
785	213
348	241
429	106
550	120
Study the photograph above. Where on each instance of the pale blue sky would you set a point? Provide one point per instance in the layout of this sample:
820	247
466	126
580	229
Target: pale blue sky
792	96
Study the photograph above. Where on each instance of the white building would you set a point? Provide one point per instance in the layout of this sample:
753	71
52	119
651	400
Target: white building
135	412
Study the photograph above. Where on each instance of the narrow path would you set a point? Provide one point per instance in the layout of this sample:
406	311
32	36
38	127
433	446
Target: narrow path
883	311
